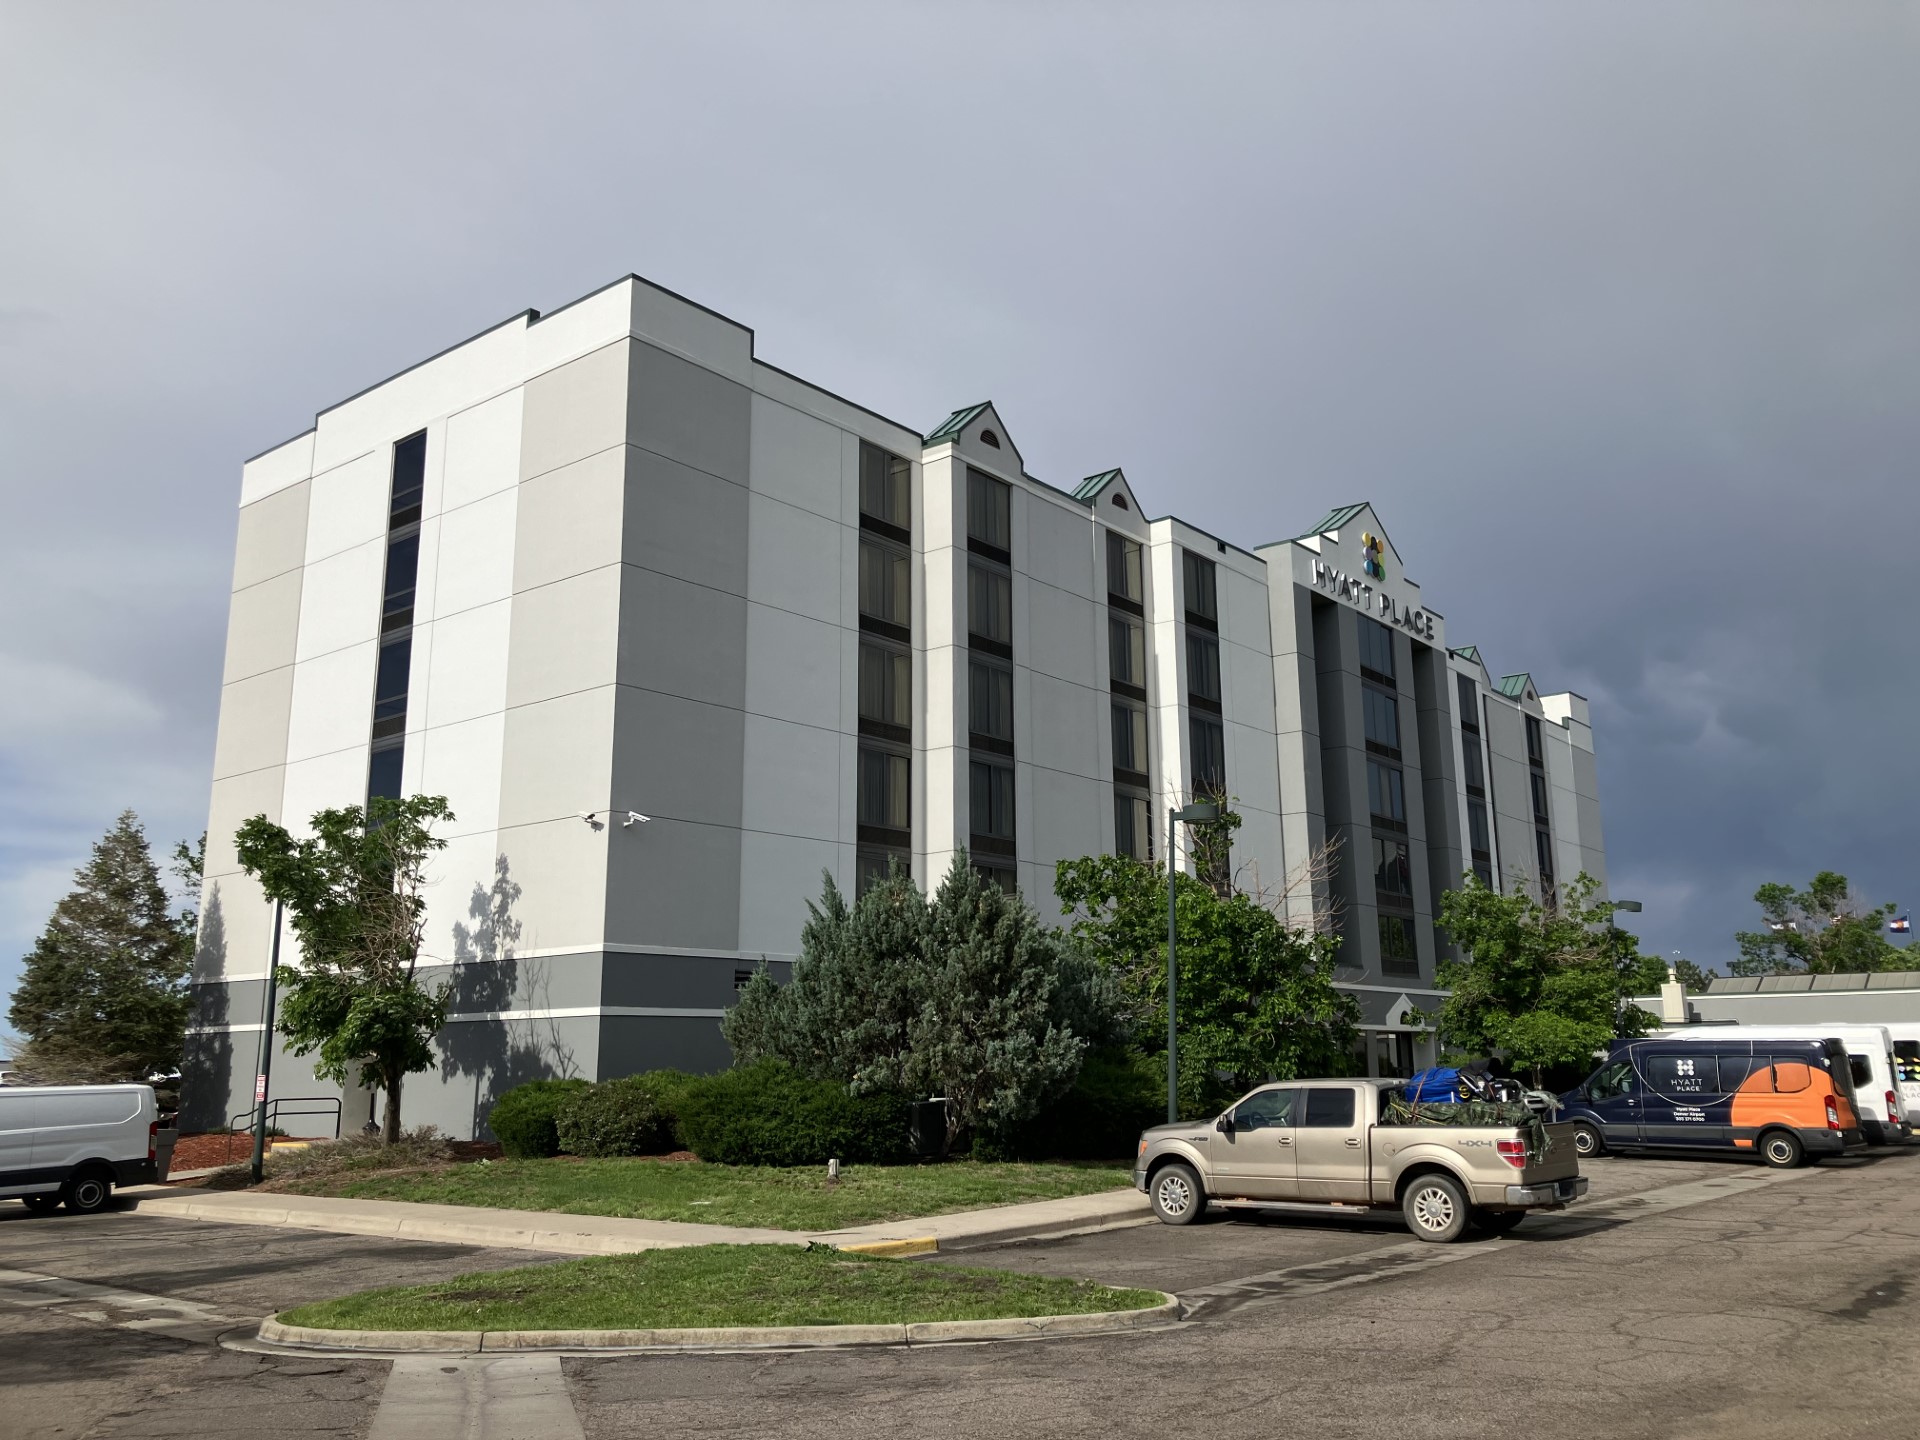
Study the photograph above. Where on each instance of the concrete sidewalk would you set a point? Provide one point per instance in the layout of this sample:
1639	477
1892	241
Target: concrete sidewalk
561	1234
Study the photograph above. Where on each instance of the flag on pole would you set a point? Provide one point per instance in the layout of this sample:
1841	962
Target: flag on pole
1900	924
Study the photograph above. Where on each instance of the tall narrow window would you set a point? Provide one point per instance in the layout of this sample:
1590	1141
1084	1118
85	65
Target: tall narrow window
1392	870
1539	797
1203	601
990	705
1473	764
1203	666
1397	953
885	487
1209	754
1127	651
1376	650
1469	704
1132	830
989	603
885	796
1535	751
886	684
1386	795
1124	577
1380	713
386	761
992	802
885	591
1129	737
989	512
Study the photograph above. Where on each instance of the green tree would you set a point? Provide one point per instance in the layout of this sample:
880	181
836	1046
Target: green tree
1650	973
1545	986
1821	930
1256	999
967	995
103	997
353	892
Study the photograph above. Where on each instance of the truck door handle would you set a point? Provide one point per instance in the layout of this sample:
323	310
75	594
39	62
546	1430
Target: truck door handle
1353	1142
1286	1139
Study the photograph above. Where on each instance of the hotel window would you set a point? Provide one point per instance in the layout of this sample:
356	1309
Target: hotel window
1472	762
1539	797
1123	568
1477	827
1376	650
989	604
885	488
1127	651
386	760
885	800
871	863
1543	852
1469	704
885	592
886	685
1203	601
1203	667
992	806
1209	754
1380	714
1392	870
1132	828
1398	955
990	704
1535	752
1129	737
990	512
1386	795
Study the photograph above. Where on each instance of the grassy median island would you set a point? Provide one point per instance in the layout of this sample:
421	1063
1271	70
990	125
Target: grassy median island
743	1195
716	1285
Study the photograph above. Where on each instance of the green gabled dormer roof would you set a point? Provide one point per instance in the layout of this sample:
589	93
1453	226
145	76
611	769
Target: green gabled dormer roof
1335	519
1088	488
1514	687
1468	652
950	428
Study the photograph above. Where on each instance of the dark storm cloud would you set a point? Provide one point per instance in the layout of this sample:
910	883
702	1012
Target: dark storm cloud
1611	312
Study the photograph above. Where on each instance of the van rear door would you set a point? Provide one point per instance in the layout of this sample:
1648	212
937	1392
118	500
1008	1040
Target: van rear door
17	1105
1906	1070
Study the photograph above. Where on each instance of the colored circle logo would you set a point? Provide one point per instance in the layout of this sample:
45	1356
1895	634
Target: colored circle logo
1374	566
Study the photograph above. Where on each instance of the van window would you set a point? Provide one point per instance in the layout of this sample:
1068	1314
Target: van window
1790	1074
1751	1073
1862	1070
1906	1061
1611	1080
1683	1074
1330	1109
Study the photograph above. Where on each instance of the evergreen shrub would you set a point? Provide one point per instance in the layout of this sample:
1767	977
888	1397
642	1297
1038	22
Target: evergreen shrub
767	1113
614	1117
525	1119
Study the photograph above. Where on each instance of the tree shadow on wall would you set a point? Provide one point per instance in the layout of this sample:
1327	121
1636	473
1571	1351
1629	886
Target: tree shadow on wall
489	978
206	1060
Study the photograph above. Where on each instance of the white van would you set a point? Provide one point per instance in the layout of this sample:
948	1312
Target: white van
1877	1095
72	1144
1906	1065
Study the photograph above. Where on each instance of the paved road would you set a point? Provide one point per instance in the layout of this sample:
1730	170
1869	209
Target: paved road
1762	1306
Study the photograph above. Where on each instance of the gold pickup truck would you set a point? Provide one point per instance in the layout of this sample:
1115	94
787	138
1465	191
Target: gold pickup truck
1325	1144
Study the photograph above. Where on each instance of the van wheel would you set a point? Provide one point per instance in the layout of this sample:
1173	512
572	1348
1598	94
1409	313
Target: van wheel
1586	1141
41	1204
1435	1209
1177	1196
1782	1150
87	1192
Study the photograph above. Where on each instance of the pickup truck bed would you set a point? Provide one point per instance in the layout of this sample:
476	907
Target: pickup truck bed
1326	1142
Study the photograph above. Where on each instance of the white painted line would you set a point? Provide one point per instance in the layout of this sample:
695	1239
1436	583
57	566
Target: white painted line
476	1397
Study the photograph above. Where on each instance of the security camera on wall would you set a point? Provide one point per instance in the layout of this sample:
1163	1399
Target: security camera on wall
633	817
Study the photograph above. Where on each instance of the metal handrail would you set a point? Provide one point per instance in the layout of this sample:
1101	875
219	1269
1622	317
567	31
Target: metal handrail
274	1111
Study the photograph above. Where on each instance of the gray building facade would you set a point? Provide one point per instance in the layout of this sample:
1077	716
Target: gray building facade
675	632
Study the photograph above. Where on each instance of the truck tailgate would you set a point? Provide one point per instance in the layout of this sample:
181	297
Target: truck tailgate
1561	1161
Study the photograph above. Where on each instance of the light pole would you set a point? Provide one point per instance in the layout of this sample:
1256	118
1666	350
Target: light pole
1632	907
1196	814
266	1054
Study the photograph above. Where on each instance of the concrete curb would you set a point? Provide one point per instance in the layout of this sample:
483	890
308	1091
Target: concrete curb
783	1337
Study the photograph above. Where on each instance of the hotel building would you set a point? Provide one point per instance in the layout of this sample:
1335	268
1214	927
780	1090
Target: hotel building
675	631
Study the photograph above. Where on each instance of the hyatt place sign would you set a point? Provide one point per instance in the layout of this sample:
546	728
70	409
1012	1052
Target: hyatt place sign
1356	591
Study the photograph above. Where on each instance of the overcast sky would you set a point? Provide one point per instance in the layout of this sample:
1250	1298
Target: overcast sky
1612	311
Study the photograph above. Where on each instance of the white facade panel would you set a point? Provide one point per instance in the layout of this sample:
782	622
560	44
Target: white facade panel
347	505
332	702
474	554
340	599
464	665
482	455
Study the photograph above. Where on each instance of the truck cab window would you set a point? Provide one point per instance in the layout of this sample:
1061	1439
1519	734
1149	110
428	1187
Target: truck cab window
1330	1109
1270	1109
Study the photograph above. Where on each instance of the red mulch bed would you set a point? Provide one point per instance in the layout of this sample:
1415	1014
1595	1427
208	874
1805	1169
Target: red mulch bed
203	1152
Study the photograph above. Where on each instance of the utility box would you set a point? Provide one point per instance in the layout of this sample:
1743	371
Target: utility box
927	1129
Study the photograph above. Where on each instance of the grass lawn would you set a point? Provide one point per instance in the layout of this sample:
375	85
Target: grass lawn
724	1194
712	1285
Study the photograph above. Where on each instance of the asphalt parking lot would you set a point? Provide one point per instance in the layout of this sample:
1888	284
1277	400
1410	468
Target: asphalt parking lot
1683	1299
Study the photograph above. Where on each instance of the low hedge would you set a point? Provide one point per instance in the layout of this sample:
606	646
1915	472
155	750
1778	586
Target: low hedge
615	1117
768	1114
525	1119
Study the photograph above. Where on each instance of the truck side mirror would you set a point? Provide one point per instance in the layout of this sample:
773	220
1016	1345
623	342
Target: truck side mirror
1224	1124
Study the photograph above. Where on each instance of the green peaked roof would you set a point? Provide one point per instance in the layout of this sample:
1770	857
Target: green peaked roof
950	428
1514	686
1468	652
1335	519
1094	484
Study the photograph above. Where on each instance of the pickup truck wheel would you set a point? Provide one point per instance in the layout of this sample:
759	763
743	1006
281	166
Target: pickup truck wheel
87	1192
41	1204
1586	1141
1435	1209
1177	1196
1782	1150
1498	1222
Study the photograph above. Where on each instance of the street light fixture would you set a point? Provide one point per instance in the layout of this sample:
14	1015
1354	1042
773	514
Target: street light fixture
1196	814
1632	907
